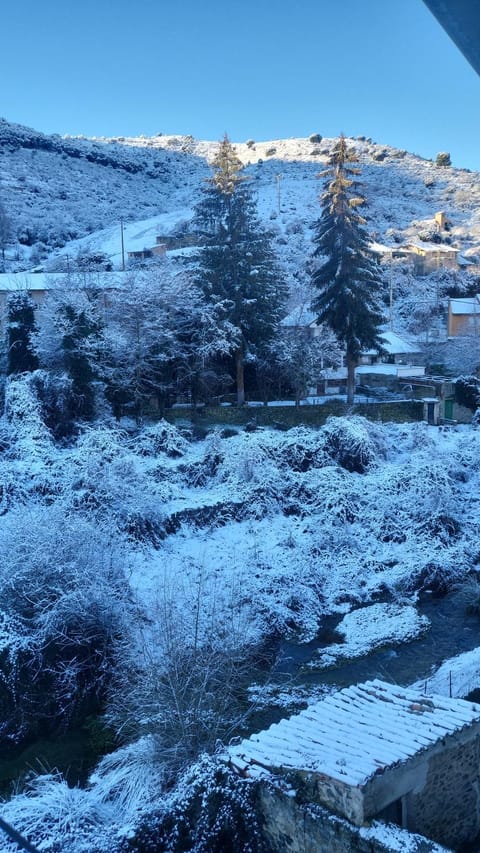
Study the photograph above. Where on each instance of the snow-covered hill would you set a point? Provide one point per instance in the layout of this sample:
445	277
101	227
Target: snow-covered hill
58	189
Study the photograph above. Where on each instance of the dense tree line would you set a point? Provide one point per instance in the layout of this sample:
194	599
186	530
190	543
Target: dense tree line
215	328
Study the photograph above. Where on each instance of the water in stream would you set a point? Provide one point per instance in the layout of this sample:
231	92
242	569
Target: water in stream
452	631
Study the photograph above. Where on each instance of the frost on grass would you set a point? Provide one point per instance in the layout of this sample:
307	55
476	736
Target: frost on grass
316	539
124	808
371	627
161	438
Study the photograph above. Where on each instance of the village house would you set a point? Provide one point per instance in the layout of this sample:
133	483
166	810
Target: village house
37	285
157	251
378	751
397	363
429	257
463	316
425	257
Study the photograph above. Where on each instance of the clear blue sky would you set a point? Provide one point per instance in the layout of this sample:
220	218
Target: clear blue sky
263	69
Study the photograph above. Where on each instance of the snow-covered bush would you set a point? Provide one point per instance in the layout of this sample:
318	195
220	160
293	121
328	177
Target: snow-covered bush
348	442
185	683
63	608
60	404
56	816
161	438
467	391
211	811
23	410
302	449
443	159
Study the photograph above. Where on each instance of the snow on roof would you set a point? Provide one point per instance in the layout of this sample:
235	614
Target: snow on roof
465	305
430	247
394	344
300	316
355	733
381	248
46	281
399	370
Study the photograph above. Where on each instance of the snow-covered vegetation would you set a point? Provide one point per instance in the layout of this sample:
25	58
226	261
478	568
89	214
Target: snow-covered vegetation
66	197
151	572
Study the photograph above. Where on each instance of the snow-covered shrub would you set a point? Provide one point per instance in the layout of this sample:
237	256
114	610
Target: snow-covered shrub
60	404
185	682
301	449
443	159
162	437
211	811
130	779
23	410
435	577
63	600
55	816
467	392
348	442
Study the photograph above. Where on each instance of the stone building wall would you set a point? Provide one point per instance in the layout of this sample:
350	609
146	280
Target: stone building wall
292	827
447	808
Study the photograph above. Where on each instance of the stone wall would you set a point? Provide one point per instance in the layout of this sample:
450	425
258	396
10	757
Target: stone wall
289	416
292	827
447	807
438	789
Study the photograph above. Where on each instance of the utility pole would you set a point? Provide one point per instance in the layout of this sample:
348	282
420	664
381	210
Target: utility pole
391	300
123	246
278	178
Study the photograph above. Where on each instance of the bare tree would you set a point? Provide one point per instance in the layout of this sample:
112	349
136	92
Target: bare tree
5	233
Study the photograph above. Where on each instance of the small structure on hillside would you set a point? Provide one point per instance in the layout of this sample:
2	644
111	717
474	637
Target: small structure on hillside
157	251
428	257
464	316
438	396
441	220
378	751
175	241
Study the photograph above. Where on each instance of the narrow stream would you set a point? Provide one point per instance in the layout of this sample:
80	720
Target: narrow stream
452	631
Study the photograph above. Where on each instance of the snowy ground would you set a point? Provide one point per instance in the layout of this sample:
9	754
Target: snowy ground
237	540
369	628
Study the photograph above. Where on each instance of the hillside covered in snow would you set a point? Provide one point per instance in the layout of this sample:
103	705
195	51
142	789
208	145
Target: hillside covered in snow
168	584
58	189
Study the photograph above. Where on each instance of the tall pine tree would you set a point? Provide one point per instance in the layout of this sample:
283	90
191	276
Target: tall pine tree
347	279
237	267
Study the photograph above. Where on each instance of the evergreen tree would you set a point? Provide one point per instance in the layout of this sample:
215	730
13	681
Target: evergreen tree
347	278
237	268
20	328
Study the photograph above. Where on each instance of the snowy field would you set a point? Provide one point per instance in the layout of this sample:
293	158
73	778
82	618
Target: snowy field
221	546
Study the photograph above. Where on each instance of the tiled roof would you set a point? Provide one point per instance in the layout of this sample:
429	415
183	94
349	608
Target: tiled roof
355	733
